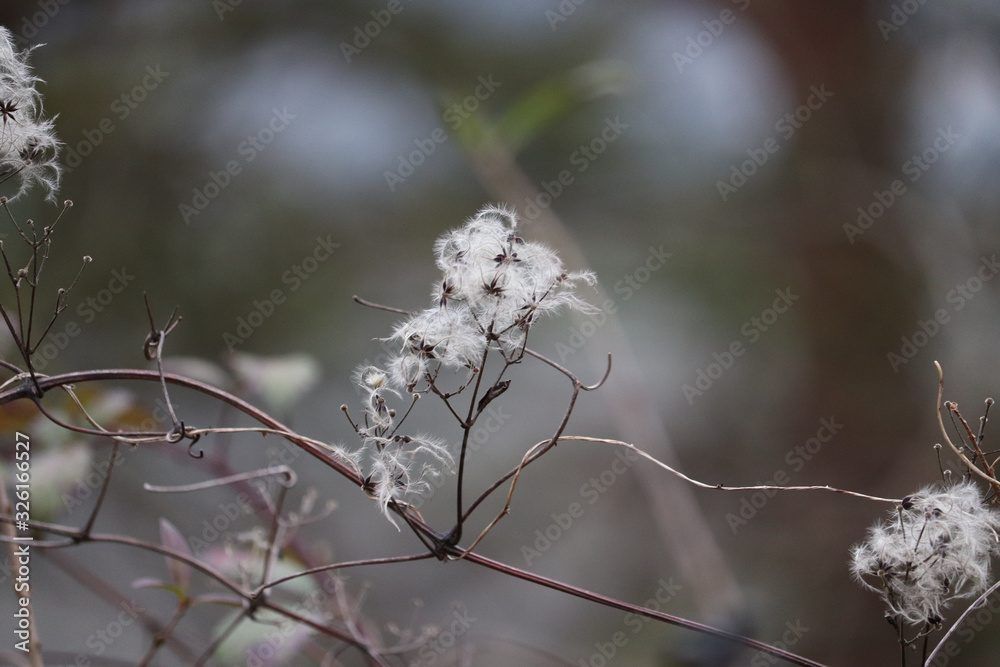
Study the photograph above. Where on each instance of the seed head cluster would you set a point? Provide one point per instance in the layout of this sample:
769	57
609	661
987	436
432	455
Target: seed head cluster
936	547
494	286
395	465
28	145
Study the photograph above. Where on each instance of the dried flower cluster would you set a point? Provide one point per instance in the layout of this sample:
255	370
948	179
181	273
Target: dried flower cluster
936	548
28	146
495	285
395	465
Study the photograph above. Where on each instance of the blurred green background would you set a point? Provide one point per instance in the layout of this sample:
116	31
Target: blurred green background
704	158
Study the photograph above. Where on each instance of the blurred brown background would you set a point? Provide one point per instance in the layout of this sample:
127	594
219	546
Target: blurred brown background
844	155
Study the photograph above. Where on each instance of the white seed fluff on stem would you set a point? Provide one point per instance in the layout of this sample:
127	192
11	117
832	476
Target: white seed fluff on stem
494	286
935	547
28	145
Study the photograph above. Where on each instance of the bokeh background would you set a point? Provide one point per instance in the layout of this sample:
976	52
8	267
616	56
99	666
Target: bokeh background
703	158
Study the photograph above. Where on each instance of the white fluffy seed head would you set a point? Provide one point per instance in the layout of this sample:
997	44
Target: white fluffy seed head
935	547
28	145
494	286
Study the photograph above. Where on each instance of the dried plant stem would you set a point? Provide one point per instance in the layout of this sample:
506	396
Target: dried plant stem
973	468
435	541
94	583
223	636
976	604
161	637
456	533
319	450
635	609
683	528
341	566
535	452
246	596
722	487
290	478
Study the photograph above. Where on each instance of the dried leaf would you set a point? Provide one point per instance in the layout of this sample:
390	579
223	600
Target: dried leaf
179	572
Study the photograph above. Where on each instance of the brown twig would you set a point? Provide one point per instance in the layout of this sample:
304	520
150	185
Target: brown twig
438	541
973	468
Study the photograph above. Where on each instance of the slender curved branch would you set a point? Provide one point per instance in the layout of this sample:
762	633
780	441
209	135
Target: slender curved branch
976	604
290	480
721	487
944	433
341	566
378	306
194	563
78	537
636	609
439	546
24	390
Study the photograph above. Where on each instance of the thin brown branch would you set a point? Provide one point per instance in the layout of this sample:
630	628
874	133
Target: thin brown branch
204	568
378	306
99	587
992	481
223	636
344	565
104	489
289	474
635	609
161	637
973	440
722	487
23	390
976	604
